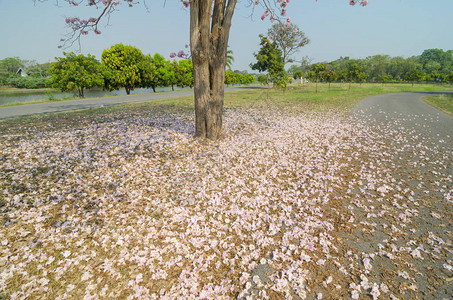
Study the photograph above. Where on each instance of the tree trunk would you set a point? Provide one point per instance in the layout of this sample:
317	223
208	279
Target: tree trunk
208	42
128	90
81	92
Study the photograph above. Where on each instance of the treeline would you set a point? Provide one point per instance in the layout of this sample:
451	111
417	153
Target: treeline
433	65
121	66
19	73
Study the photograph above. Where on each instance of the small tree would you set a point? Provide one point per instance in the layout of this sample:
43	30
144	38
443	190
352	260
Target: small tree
361	77
263	79
288	38
149	73
248	79
449	78
184	73
76	72
385	78
123	65
298	74
155	72
414	75
353	73
229	77
170	73
329	76
238	78
269	58
316	72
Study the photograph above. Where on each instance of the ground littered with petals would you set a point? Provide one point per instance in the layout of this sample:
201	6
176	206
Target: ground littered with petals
286	205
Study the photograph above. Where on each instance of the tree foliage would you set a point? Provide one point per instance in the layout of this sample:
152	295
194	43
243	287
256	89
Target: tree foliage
122	63
433	65
184	73
329	76
33	75
288	38
76	72
316	72
269	59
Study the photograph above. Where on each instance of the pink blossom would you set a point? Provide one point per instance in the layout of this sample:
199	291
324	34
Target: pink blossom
181	54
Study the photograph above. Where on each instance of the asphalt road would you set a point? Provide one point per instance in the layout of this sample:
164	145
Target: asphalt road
407	110
51	107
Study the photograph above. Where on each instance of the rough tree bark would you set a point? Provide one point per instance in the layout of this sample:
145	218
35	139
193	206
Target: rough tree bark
208	43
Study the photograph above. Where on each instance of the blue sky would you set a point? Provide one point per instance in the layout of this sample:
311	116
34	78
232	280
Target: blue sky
395	27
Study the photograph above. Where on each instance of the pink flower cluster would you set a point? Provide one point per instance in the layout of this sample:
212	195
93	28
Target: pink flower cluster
180	54
361	2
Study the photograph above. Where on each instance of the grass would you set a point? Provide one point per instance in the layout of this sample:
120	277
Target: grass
50	97
10	90
339	97
443	103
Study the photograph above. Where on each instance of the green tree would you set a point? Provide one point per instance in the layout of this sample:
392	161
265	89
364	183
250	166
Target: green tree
263	79
76	72
184	73
238	78
449	78
384	78
155	71
248	79
316	72
229	77
298	74
414	75
376	66
149	74
12	64
289	39
39	70
354	73
123	65
170	71
437	61
269	58
329	76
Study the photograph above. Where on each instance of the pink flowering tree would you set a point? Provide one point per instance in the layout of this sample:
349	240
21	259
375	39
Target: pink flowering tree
288	38
210	23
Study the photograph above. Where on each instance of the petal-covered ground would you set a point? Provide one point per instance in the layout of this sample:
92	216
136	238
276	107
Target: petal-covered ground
286	205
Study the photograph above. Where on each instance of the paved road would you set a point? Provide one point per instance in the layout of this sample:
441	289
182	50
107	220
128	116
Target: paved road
50	107
409	111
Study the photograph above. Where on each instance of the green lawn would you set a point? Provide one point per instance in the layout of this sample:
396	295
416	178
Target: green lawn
441	102
10	90
297	98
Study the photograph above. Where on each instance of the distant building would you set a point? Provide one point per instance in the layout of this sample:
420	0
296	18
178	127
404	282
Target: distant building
21	72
